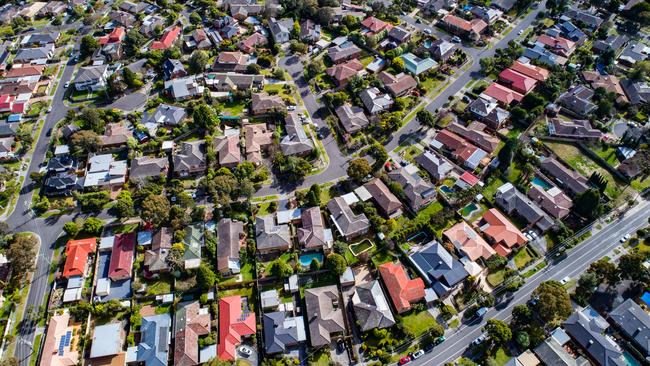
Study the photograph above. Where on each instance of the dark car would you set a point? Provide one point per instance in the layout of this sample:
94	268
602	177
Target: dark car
340	346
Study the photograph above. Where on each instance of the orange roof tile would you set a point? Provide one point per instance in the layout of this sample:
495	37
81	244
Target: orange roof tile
233	325
77	252
501	230
402	289
467	240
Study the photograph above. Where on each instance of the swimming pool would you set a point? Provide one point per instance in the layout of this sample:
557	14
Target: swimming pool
467	210
446	189
305	259
541	183
427	43
630	360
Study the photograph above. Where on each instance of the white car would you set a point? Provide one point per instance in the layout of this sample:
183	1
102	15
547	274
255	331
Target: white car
565	280
246	351
521	31
67	84
49	109
291	108
419	353
427	31
625	238
528	237
479	339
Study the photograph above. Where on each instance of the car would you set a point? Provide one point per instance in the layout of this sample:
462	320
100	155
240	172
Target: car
403	163
521	31
625	238
67	84
439	340
481	311
49	109
417	354
418	21
533	234
340	345
565	280
480	339
49	133
429	347
245	350
291	108
404	360
528	237
427	31
455	39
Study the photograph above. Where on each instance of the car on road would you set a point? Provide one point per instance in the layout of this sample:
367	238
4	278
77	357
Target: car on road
455	39
291	108
49	109
625	238
521	31
49	133
417	354
404	360
427	31
480	339
565	280
528	237
66	85
481	311
245	351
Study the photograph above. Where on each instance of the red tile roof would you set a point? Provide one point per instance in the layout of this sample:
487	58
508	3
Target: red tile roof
402	289
375	25
469	241
503	94
167	40
233	325
460	148
77	252
469	178
501	230
17	72
342	73
116	36
535	72
122	257
456	22
560	45
517	81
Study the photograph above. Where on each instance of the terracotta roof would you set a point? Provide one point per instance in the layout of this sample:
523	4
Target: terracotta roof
122	257
469	242
459	146
232	58
23	71
503	94
375	25
457	22
517	81
342	73
608	82
167	40
77	252
495	225
535	72
191	322
116	36
561	45
397	84
233	325
401	288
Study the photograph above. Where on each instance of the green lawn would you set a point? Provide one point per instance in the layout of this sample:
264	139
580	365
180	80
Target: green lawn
430	84
495	278
491	189
160	286
608	153
244	292
367	60
418	323
35	109
502	357
231	108
361	246
410	153
279	90
247	271
523	257
382	257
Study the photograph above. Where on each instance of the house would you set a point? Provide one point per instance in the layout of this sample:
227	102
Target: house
577	101
235	322
263	103
230	236
155	259
375	27
116	135
610	83
352	118
399	35
486	109
108	340
38	56
638	92
281	332
419	193
437	166
460	149
539	53
517	82
244	11
613	42
165	115
580	16
191	321
462	27
193	242
438	268
252	42
144	167
310	31
7	145
122	257
133	7
167	40
295	142
104	171
258	139
552	200
115	36
232	61
569	31
173	69
227	149
567	178
122	18
504	95
371	307
384	198
558	45
633	53
344	72
190	159
150	23
60	346
532	71
348	224
488	15
512	201
61	184
344	52
475	132
398	85
551	352
270	236
324	314
155	336
40	39
110	52
634	324
403	290
416	65
281	29
375	101
502	233
184	88
441	50
573	129
587	329
466	240
230	82
198	40
91	78
24	73
313	234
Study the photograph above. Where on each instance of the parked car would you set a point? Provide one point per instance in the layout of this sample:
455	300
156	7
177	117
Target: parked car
565	280
455	39
340	345
417	354
67	85
625	238
521	31
427	31
480	339
246	351
481	311
404	360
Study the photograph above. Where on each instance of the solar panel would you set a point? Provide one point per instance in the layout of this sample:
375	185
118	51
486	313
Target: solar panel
68	336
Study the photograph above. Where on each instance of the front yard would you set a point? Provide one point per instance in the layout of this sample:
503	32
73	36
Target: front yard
418	323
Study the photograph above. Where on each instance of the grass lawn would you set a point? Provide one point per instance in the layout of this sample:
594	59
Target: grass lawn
491	189
585	166
361	246
537	268
640	184
430	84
454	323
279	90
349	257
411	152
246	273
382	257
367	60
231	108
495	278
263	208
37	344
160	287
523	257
501	357
322	359
35	109
244	292
608	154
418	323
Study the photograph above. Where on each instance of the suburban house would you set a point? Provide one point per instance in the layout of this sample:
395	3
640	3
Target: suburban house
121	261
198	40
584	17
384	198
190	159
232	61
441	50
577	101
184	88
403	290
419	193
263	103
235	323
439	268
115	136
310	31
282	331
258	138
155	257
61	184
416	65
155	336
613	42
344	72
371	307
227	149
252	42
459	148
173	69
150	23
552	352
348	224
163	115
281	29
167	40
633	53
191	322
230	235
517	82
558	45
344	52
324	314
459	26
40	39
271	237
504	95
77	253
352	118
313	235
375	101
466	240
108	340
193	242
486	109
375	27
122	18
502	233
634	324
295	142
117	35
35	56
610	83
530	70
475	132
90	78
60	346
567	178
587	329
512	201
398	35
573	129
398	85
105	172
552	200
437	166
541	54
489	15
637	92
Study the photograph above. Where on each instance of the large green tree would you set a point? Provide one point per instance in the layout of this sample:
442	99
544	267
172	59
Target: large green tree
553	301
155	209
88	46
336	263
498	331
358	169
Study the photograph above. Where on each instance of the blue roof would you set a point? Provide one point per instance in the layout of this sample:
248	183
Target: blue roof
153	349
14	117
646	298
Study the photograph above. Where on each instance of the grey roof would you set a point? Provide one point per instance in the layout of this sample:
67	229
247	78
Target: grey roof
280	27
352	118
90	74
164	114
324	314
41	38
61	163
399	34
566	177
282	332
438	267
587	328
552	353
312	232
634	323
570	31
634	52
579	15
107	340
61	181
144	166
155	259
434	164
271	236
347	222
229	233
191	154
578	100
371	307
637	91
418	192
375	101
339	53
296	142
612	42
193	242
153	349
172	66
29	54
512	201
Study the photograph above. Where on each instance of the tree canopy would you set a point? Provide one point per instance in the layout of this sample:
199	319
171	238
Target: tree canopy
553	301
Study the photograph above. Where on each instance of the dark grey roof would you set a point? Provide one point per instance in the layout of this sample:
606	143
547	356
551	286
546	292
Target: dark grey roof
399	34
6	130
591	20
638	92
418	191
41	38
29	54
371	307
436	165
271	236
144	166
512	201
153	349
613	42
296	142
282	332
61	163
346	221
578	100
171	66
438	267
61	182
504	5
634	322
587	328
552	353
90	74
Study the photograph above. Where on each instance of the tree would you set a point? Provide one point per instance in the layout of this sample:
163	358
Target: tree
204	116
522	339
21	254
359	168
631	267
587	203
426	118
93	226
131	79
84	142
71	229
498	331
116	86
314	265
133	41
553	302
640	70
155	209
314	68
606	271
292	167
198	61
398	64
205	277
175	259
295	31
298	47
313	196
124	204
253	69
280	268
336	263
521	314
89	45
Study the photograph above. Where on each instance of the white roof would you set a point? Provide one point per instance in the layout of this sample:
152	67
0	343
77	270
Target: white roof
106	243
286	216
362	193
62	150
350	198
72	295
103	287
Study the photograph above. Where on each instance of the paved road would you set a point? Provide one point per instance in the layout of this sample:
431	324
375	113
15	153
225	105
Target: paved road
578	260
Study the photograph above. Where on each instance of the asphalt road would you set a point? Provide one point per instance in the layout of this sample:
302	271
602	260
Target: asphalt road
577	261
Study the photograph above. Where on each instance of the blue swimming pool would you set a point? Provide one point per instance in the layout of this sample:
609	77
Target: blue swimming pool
427	43
630	360
305	259
541	183
446	189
